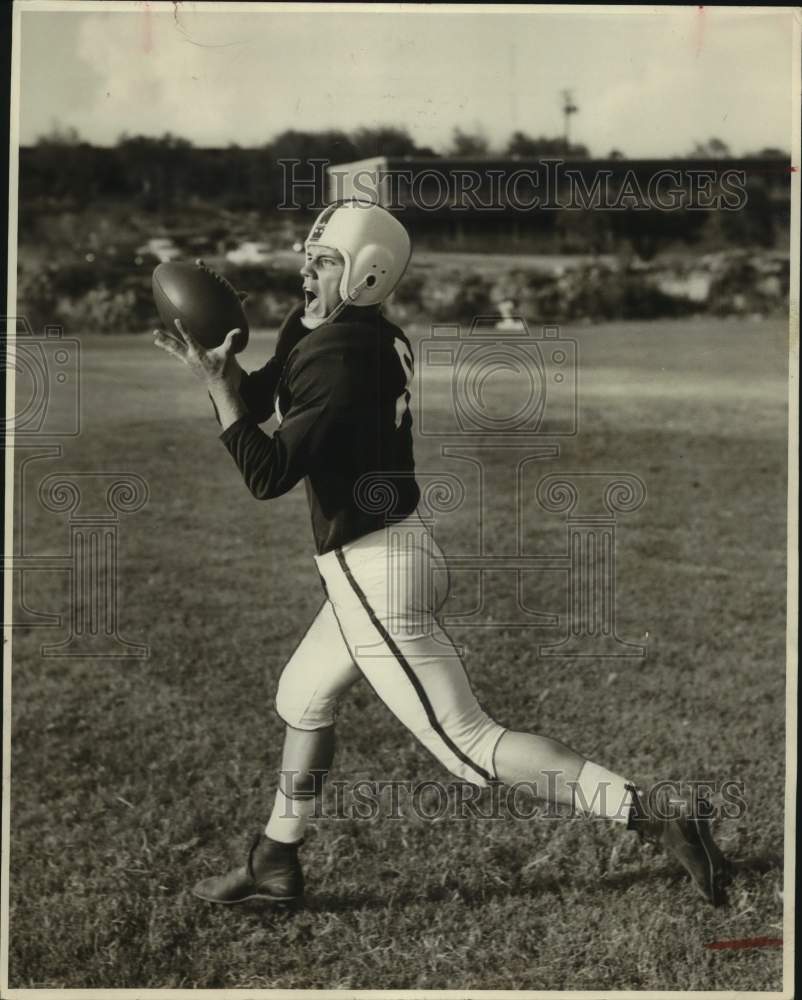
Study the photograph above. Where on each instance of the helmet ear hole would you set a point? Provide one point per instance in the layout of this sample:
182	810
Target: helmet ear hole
370	281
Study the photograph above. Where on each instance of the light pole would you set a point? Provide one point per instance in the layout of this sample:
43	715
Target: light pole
569	108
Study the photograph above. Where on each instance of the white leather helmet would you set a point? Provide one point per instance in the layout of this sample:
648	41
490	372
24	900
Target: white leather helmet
374	245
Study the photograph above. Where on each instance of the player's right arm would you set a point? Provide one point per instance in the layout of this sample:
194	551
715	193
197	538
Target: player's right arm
272	464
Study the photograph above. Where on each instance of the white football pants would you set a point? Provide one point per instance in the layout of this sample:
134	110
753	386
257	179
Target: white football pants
379	622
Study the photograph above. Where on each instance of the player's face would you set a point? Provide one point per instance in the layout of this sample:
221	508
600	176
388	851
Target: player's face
322	273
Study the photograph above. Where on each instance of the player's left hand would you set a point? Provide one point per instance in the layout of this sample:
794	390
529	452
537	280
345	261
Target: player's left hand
210	366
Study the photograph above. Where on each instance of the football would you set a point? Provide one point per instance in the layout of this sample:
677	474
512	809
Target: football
207	305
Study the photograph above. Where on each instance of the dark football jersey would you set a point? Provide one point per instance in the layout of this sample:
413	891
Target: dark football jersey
341	400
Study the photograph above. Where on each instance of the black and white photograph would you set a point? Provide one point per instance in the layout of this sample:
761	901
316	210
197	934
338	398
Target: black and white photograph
400	456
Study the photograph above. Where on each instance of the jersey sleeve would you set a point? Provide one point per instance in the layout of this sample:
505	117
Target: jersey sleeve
272	464
257	389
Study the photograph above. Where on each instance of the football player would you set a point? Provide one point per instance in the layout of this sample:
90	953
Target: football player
339	387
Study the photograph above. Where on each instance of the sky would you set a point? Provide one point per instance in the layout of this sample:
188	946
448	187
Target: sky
649	82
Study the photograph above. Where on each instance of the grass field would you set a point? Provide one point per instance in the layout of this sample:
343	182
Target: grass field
133	779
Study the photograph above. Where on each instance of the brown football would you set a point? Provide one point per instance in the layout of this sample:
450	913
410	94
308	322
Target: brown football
207	305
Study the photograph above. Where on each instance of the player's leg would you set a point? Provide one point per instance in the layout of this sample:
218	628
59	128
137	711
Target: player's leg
395	639
384	592
314	680
305	763
318	673
585	785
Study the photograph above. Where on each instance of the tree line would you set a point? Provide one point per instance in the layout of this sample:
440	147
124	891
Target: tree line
169	172
156	171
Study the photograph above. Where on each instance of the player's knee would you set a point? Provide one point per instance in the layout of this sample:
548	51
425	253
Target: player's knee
298	709
468	747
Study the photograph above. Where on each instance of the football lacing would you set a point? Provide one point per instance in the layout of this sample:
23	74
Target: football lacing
219	278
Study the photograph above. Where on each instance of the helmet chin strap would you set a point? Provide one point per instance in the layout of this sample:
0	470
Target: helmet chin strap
349	300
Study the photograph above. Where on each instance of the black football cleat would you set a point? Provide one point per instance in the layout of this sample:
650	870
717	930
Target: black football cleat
688	838
271	873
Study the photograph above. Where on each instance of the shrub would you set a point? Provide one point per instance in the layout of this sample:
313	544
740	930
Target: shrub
102	311
454	295
111	291
258	278
37	298
746	285
409	291
641	299
268	308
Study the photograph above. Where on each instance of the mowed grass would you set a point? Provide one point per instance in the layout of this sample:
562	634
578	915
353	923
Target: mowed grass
133	779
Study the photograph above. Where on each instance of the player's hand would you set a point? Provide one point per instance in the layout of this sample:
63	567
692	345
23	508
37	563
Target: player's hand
212	366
